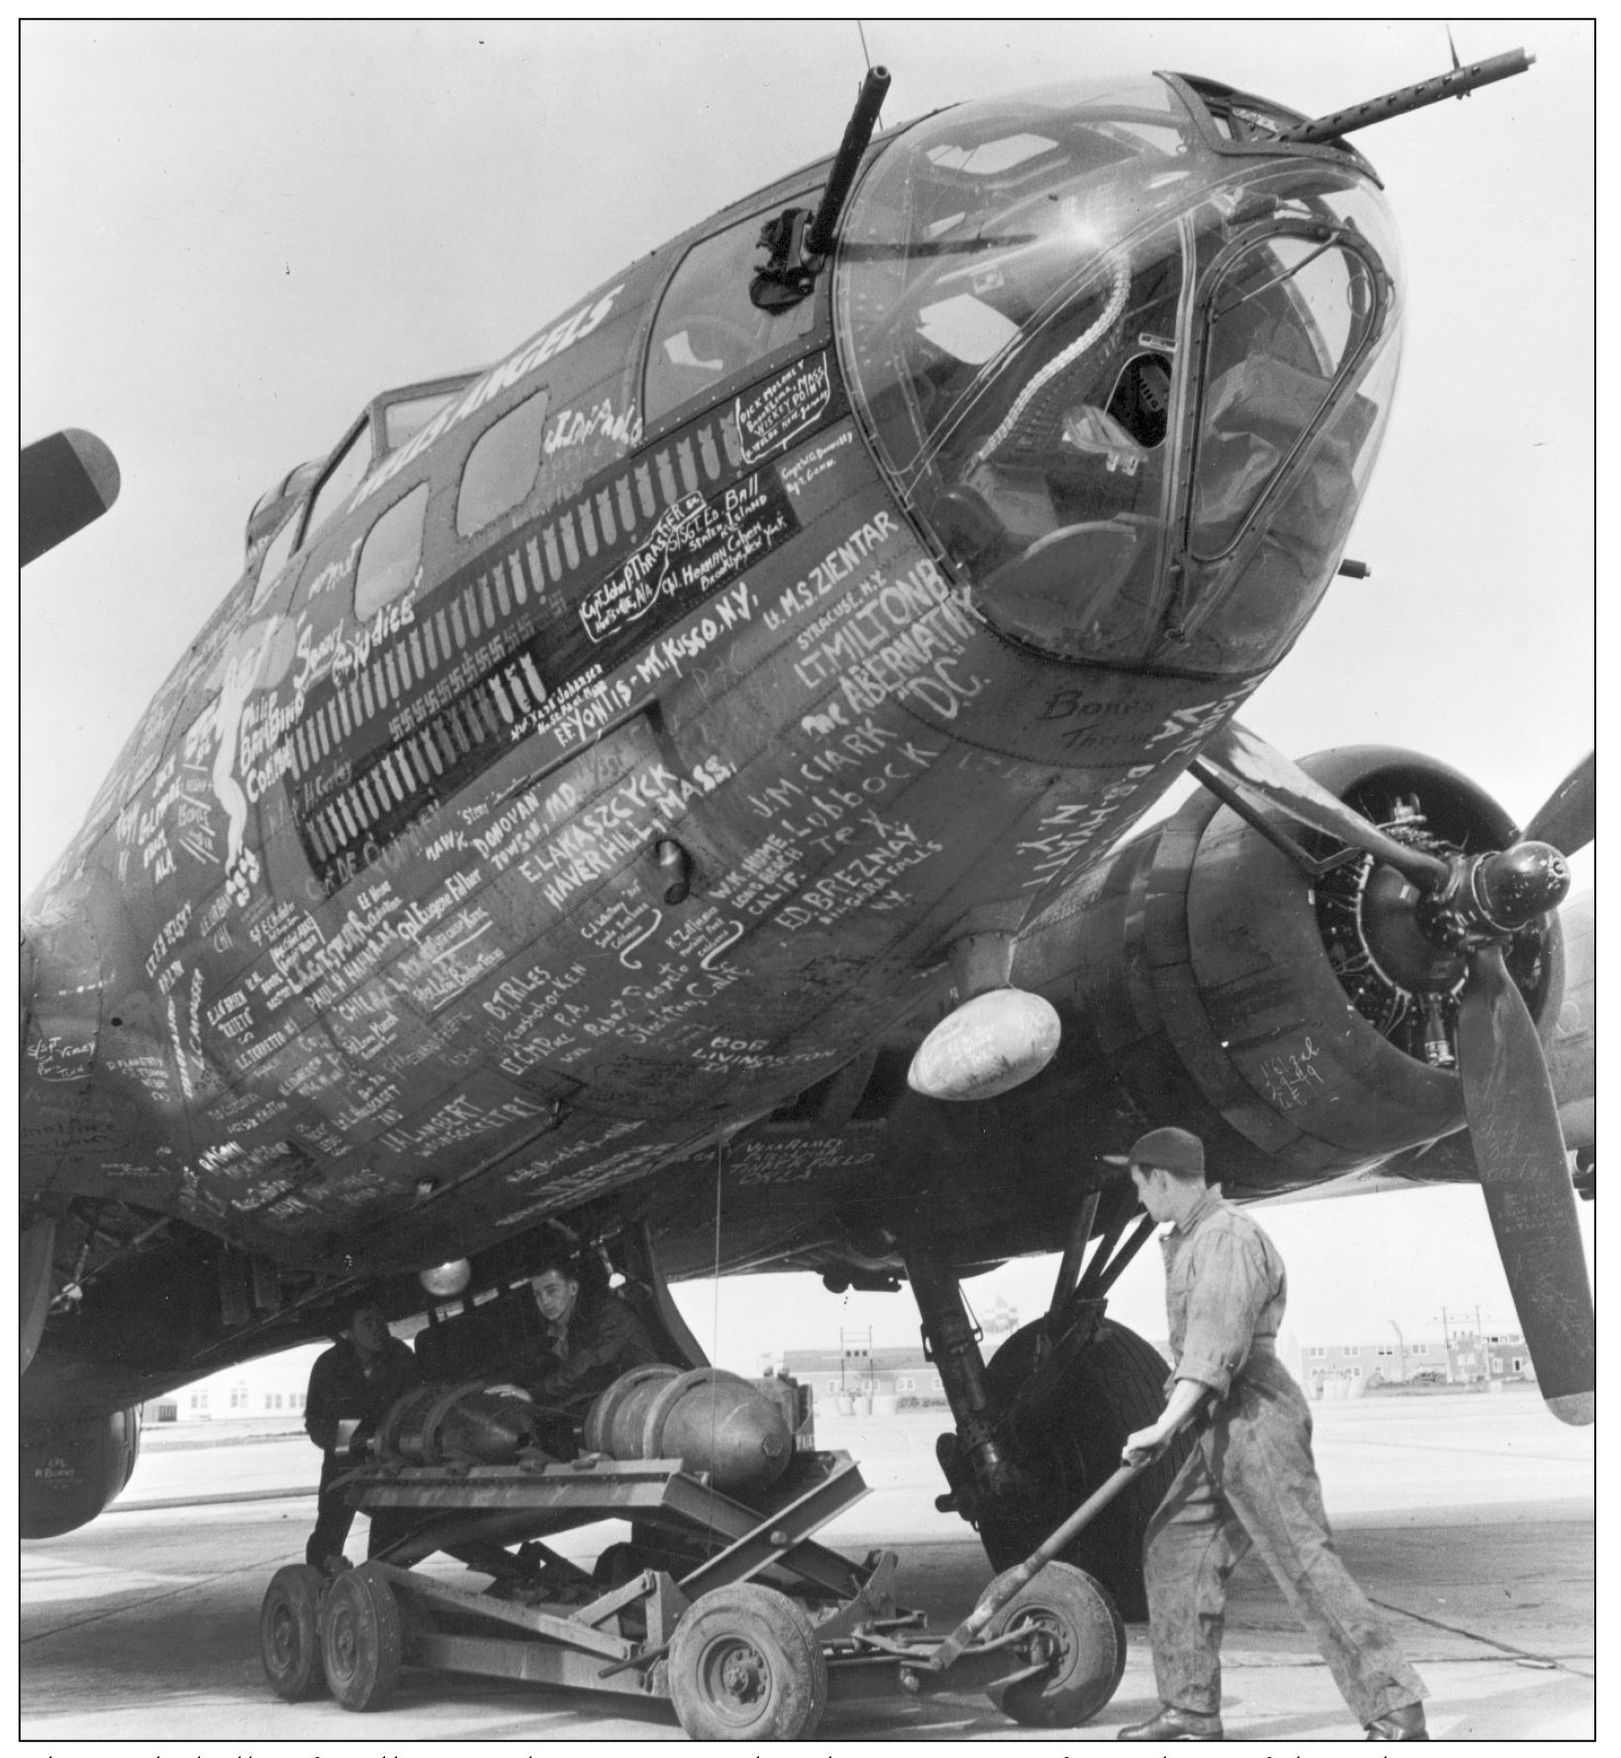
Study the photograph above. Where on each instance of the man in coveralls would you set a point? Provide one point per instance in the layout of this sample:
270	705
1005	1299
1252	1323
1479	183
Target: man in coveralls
1250	1479
356	1380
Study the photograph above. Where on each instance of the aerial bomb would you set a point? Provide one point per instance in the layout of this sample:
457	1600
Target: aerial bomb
439	1425
714	1422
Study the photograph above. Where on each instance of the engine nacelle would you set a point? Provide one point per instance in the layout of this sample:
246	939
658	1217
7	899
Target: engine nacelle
1203	980
71	1471
1279	1016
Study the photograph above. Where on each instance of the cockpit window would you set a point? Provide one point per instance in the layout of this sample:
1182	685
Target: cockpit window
391	553
407	418
707	326
275	560
502	467
271	507
345	476
266	500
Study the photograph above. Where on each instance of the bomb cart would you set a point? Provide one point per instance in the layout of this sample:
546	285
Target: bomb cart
722	1602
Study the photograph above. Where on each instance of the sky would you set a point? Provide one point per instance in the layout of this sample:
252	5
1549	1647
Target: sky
233	235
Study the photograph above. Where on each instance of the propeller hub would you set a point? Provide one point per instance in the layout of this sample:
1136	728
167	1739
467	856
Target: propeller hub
1487	897
1520	884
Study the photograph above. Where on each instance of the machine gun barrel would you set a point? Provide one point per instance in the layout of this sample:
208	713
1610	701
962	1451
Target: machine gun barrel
1456	84
824	228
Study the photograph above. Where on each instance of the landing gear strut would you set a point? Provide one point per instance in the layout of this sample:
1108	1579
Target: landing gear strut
1042	1424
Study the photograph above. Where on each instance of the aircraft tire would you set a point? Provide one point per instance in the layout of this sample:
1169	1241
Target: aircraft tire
1115	1388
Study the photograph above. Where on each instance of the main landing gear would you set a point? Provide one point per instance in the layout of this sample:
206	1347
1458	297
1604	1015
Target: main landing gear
1041	1425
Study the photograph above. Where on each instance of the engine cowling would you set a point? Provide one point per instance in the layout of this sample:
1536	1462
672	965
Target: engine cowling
72	1470
1298	1021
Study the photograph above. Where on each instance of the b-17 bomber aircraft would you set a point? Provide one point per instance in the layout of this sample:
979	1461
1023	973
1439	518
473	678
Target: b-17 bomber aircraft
681	786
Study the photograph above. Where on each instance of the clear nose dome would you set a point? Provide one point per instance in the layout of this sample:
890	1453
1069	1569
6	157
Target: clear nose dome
1124	373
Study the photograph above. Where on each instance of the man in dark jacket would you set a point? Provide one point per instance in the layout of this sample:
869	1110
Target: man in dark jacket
355	1381
1250	1479
589	1338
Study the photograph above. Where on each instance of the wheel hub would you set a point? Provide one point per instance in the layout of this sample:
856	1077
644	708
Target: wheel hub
343	1642
741	1675
1046	1642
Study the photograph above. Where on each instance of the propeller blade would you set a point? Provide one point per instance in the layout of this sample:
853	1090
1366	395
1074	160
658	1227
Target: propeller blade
1251	766
1565	818
1520	1152
64	481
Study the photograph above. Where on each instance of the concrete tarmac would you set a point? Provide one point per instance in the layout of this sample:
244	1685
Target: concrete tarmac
1468	1518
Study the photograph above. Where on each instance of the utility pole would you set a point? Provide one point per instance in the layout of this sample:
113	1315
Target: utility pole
847	1339
1401	1353
1478	1347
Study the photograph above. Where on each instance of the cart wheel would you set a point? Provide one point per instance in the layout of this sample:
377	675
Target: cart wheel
290	1634
746	1665
1089	1641
362	1639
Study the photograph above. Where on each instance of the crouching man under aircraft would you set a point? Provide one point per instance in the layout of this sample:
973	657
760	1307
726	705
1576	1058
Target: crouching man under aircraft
1250	1479
590	1337
356	1380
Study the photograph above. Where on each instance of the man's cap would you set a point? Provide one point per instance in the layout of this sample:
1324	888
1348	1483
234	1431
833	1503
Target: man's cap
1176	1150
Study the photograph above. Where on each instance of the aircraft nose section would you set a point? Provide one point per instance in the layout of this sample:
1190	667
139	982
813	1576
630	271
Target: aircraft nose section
1128	375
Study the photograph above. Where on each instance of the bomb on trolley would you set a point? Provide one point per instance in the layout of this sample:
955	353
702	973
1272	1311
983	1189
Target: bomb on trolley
722	1602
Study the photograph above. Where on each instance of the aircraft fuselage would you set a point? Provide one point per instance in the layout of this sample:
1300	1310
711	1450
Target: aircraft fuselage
599	750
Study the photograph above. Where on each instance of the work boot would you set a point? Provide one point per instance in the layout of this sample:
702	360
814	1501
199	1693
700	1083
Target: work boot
1406	1723
1174	1724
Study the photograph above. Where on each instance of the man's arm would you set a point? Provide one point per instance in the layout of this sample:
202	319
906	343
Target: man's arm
1187	1396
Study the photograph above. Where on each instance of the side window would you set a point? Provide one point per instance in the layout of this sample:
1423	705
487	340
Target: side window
390	554
345	476
708	327
281	547
502	467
